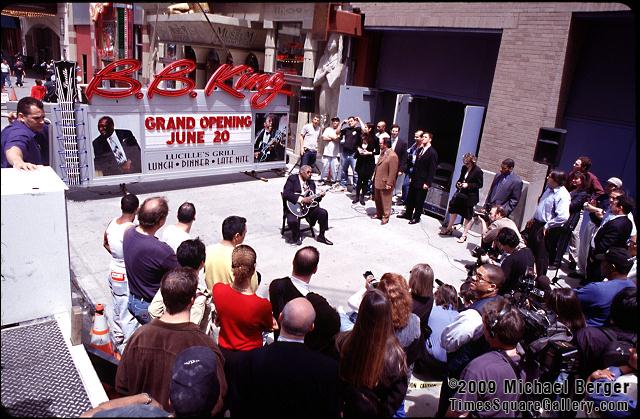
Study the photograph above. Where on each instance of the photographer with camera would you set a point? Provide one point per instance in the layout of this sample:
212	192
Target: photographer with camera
503	328
499	220
517	263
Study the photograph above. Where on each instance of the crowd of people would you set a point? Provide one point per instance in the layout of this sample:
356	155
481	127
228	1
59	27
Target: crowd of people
178	305
194	337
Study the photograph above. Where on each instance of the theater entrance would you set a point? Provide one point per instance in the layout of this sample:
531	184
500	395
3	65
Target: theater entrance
456	129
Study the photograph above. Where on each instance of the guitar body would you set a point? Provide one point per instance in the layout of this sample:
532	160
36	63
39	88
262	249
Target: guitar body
301	210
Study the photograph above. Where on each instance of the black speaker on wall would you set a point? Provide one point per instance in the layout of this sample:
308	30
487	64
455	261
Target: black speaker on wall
307	100
549	146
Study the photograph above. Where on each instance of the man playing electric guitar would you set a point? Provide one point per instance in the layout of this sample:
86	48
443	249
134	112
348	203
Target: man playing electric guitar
268	146
296	186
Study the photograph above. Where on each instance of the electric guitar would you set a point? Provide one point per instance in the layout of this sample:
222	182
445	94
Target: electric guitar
301	210
266	148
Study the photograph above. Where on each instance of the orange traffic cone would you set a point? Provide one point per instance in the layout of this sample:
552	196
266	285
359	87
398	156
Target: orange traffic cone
12	94
100	338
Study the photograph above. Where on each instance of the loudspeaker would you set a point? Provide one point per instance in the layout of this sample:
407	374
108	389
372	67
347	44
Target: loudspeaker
549	146
307	100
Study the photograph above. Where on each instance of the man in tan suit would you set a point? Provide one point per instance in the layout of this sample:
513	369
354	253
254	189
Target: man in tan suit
384	180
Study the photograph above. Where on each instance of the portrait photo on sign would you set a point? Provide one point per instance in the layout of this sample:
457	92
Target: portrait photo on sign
271	131
116	151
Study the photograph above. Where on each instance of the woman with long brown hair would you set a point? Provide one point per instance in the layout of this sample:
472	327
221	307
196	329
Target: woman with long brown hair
365	164
372	366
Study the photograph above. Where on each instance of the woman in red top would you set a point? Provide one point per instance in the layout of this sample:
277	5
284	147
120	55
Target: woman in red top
242	315
38	91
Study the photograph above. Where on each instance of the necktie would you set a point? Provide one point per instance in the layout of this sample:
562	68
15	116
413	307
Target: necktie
118	152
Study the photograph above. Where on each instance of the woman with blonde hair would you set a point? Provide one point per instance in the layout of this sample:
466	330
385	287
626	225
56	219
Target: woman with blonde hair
372	366
466	197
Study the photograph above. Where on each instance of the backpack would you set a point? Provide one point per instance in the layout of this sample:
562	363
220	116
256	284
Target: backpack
616	352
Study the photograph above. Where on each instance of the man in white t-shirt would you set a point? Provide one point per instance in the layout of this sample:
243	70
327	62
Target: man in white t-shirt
122	322
331	136
309	142
175	234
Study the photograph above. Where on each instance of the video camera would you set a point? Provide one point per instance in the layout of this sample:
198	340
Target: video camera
368	275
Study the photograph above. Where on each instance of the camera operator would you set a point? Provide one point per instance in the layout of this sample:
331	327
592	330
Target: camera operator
463	339
499	220
518	262
503	328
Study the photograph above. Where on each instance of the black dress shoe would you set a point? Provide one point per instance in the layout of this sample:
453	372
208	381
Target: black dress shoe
299	241
414	221
362	201
323	239
355	201
403	216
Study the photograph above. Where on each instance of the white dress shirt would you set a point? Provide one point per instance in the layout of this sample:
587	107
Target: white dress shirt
553	207
465	328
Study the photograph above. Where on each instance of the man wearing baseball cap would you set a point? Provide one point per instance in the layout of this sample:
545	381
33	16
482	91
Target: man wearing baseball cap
596	297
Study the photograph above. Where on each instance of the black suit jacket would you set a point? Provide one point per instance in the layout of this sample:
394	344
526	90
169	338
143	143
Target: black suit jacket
425	168
327	324
474	180
401	151
285	379
507	194
614	233
105	161
292	188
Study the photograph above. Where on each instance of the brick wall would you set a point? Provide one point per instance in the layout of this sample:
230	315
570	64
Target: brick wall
528	80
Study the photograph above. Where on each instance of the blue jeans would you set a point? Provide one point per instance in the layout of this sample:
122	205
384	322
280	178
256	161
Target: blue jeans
346	160
308	158
139	309
123	323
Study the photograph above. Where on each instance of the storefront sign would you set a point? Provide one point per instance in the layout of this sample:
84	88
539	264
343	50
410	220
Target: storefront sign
266	86
205	141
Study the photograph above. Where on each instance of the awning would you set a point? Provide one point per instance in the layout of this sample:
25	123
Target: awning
194	29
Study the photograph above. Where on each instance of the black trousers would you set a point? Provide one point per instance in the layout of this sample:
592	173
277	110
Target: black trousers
542	246
593	274
415	202
316	214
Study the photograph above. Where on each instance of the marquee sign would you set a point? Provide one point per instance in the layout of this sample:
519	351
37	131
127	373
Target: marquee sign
266	86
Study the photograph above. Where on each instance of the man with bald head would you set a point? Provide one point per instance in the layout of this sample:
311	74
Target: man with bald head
146	258
287	378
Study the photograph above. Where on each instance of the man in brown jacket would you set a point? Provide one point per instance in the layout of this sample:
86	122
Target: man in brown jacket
384	180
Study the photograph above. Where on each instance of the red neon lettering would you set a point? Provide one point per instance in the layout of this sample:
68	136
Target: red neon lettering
268	91
172	72
222	74
266	87
109	74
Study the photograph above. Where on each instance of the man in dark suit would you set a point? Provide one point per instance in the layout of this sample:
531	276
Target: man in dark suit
295	188
115	151
283	290
399	146
506	188
286	378
613	232
421	180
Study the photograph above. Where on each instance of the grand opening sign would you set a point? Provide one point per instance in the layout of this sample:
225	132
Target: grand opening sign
238	122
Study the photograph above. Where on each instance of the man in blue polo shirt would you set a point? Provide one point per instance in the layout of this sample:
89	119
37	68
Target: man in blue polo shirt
24	140
596	297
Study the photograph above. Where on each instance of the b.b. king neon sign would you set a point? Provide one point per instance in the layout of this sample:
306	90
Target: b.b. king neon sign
266	86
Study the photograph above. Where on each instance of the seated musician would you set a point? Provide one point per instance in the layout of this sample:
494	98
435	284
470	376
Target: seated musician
297	190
